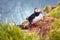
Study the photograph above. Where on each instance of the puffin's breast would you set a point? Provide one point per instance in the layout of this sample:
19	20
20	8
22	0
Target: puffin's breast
37	18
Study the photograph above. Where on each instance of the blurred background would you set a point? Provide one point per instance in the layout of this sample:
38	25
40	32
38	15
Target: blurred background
18	10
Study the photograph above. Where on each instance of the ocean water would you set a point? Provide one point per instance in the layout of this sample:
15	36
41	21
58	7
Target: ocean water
18	10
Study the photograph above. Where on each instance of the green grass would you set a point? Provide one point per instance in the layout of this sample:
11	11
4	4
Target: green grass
55	13
8	32
55	25
54	35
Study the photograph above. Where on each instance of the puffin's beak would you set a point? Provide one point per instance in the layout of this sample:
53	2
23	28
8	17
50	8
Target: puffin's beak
40	12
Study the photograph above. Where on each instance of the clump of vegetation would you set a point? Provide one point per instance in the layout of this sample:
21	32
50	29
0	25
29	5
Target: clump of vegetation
55	31
55	25
47	9
55	13
8	32
54	35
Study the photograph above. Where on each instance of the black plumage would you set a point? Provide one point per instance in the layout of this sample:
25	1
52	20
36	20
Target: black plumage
30	18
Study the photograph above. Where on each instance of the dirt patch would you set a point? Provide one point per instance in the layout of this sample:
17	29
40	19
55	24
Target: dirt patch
44	26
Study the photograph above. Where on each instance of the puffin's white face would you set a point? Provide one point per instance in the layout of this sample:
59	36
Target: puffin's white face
37	10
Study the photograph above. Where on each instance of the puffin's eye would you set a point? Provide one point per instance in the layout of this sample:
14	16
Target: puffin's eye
38	10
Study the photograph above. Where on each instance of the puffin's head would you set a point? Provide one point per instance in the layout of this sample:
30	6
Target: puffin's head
37	10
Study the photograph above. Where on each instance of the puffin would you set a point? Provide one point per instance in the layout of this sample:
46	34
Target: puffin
34	19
